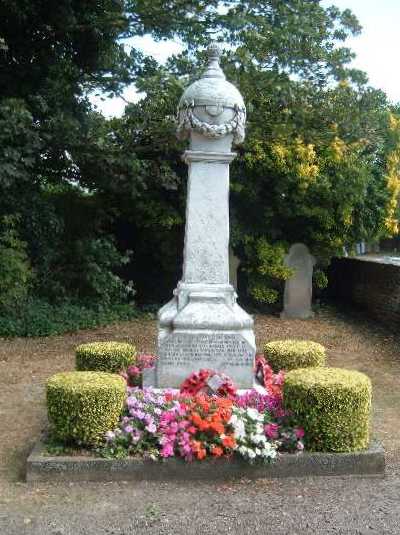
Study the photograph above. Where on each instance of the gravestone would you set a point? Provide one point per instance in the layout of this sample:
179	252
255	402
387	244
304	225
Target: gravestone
203	326
297	297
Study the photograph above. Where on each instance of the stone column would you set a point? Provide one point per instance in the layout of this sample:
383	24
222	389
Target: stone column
203	326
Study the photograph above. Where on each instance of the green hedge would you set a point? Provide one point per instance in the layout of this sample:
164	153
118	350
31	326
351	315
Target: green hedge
82	406
37	317
109	357
332	405
291	354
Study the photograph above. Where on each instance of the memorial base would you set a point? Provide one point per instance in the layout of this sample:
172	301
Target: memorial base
204	327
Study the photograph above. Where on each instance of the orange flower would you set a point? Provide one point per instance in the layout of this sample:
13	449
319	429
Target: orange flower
217	451
201	454
229	442
203	425
196	419
217	427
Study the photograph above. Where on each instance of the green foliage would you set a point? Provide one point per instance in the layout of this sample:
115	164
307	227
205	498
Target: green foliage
318	165
320	279
37	317
82	406
291	354
312	166
332	405
15	271
266	266
111	357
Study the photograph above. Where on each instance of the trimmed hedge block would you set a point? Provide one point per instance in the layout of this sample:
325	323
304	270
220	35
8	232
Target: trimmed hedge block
111	357
332	405
292	354
82	406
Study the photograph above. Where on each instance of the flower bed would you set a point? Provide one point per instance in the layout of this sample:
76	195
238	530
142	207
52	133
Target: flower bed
207	418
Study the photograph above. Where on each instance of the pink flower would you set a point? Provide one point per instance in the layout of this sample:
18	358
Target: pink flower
133	370
299	432
271	431
183	424
167	450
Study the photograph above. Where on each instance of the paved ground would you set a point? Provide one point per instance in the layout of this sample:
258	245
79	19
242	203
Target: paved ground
320	505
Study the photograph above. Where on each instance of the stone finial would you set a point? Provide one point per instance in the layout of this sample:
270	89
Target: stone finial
212	106
214	50
213	69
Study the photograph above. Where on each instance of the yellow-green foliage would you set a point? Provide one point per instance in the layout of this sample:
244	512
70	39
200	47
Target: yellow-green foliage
393	175
332	405
82	406
109	357
291	354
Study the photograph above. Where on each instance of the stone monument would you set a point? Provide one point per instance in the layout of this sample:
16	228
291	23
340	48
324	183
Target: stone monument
203	326
298	289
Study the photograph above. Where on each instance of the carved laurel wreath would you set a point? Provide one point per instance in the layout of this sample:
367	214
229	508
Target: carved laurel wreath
187	121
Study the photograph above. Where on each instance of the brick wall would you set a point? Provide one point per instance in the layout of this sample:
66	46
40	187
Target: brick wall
371	285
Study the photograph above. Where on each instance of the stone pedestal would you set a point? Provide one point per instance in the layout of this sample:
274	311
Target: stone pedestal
203	326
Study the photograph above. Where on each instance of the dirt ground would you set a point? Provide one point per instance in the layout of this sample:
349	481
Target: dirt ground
320	505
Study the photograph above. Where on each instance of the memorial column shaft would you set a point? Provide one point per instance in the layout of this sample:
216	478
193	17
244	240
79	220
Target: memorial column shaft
206	252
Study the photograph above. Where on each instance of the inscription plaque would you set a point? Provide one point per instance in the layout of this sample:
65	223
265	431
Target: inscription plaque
183	353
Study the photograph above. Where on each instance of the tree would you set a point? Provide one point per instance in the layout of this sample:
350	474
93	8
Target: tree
318	165
313	166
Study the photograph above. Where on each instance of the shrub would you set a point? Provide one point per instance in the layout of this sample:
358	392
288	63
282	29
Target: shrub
15	271
37	317
109	357
332	405
291	354
82	406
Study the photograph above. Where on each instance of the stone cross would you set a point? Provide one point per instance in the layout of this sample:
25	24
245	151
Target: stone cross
298	289
203	326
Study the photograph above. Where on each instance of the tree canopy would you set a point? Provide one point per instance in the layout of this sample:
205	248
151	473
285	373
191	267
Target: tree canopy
95	202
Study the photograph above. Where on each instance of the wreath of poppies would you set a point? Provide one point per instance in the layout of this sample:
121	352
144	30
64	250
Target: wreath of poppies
209	382
267	378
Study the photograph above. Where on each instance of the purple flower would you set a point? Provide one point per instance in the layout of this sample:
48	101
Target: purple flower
148	419
136	436
140	415
151	428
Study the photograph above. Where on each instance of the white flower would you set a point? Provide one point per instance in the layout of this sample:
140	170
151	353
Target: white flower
269	451
233	420
259	429
239	429
251	454
253	414
258	451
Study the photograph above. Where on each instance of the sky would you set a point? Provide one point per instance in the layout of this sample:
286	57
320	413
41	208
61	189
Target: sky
377	50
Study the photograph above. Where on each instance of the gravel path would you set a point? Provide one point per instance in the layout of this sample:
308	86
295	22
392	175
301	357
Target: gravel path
290	506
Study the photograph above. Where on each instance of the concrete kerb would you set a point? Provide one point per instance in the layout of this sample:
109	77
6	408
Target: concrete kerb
42	467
